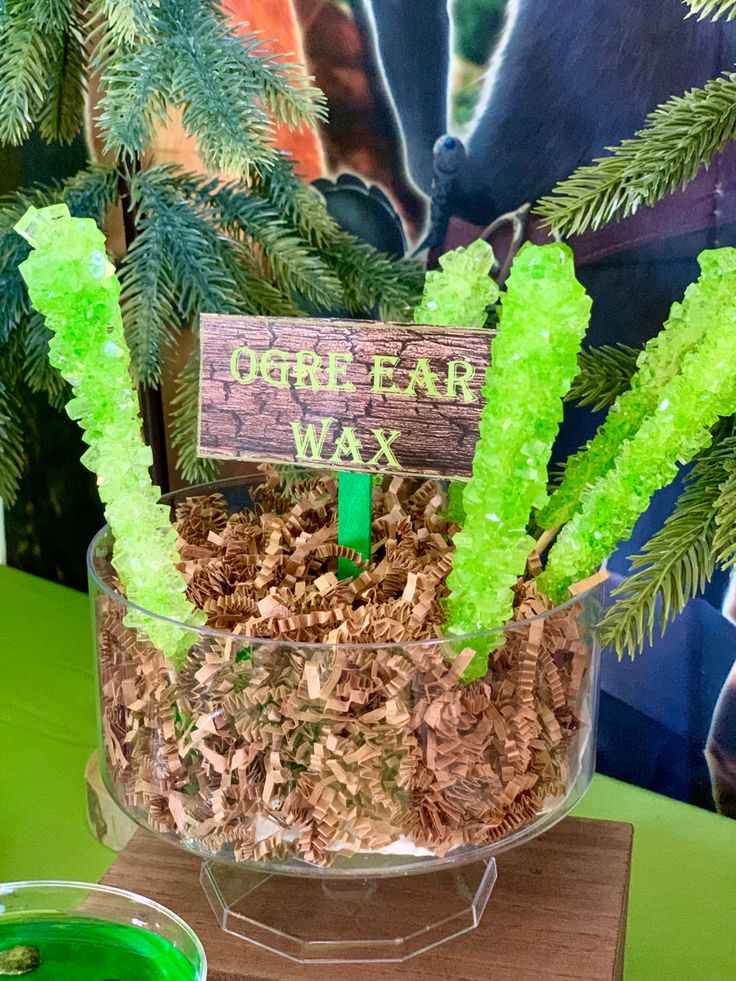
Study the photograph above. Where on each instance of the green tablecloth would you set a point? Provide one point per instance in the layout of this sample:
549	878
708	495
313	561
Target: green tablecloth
682	914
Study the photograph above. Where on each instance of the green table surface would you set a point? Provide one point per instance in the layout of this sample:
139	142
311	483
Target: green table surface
682	912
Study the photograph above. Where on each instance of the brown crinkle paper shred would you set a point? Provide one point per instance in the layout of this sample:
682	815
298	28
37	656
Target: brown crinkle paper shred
265	750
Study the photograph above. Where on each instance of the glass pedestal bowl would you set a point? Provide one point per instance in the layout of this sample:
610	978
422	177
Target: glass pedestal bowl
73	931
318	780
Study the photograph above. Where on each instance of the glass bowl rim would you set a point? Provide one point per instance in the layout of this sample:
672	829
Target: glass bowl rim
246	641
31	885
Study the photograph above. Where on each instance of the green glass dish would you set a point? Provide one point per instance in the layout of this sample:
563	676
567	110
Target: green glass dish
66	931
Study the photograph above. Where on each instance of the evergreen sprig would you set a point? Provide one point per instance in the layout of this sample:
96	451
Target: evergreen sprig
174	269
724	539
678	561
62	115
150	56
299	205
191	58
370	279
679	137
11	442
715	9
31	41
605	373
125	20
296	267
37	372
184	427
133	80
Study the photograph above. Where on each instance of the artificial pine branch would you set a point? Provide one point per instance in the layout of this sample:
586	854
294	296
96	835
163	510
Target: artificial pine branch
605	373
301	206
134	80
724	539
14	307
29	46
677	562
370	278
295	266
184	427
288	94
714	9
191	58
261	296
149	303
174	269
125	20
11	440
680	137
207	76
38	374
375	280
90	193
62	115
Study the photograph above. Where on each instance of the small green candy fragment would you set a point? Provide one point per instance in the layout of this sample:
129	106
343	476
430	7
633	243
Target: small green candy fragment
71	282
544	316
19	960
459	293
678	427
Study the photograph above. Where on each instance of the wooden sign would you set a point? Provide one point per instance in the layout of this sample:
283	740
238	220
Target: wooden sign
342	394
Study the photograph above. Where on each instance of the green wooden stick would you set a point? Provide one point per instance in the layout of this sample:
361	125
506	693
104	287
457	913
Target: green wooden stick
353	518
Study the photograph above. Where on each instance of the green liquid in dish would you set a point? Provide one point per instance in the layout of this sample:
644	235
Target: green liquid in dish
84	949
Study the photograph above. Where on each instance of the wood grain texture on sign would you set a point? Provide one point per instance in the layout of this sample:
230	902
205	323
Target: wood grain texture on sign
557	911
402	398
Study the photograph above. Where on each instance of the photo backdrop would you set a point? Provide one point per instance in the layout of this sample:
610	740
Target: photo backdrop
533	89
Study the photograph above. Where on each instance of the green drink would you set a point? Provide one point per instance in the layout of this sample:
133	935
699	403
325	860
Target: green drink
82	949
55	931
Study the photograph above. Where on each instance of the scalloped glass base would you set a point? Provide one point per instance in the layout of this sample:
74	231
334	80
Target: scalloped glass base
328	921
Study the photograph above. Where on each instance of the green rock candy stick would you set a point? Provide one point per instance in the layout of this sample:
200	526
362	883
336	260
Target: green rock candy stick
674	432
73	285
544	316
459	293
658	362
